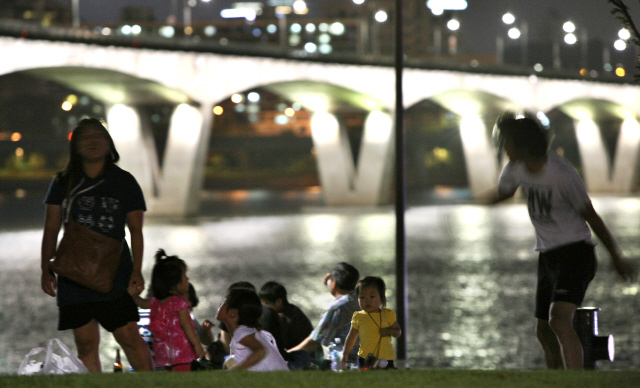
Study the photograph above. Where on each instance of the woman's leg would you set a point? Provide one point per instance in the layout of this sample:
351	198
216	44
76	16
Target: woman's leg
134	347
561	322
87	340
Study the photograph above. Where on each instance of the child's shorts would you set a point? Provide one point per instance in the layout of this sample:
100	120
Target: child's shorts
111	315
564	274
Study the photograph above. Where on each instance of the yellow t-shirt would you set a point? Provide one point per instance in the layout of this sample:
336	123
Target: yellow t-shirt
368	326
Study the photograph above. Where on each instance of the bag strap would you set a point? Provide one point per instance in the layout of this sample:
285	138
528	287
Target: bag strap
73	195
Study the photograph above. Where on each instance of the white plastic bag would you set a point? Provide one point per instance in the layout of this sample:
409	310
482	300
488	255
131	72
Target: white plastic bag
53	364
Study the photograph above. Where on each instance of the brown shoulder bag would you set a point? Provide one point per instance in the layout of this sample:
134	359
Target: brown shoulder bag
85	256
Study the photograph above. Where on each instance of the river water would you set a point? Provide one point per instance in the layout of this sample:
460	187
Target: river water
471	279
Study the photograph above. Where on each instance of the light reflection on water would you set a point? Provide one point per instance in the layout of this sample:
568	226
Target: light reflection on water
471	276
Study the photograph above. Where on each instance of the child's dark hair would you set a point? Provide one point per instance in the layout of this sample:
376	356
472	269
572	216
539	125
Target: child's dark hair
345	275
373	281
272	291
248	305
166	274
193	297
525	133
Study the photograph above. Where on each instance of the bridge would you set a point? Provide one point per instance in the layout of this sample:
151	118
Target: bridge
195	82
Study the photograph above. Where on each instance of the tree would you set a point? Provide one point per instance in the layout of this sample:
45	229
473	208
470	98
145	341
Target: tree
621	12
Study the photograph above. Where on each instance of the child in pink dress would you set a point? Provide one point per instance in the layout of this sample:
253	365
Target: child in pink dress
175	341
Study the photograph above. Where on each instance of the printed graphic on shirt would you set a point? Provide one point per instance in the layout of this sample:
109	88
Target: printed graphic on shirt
110	204
539	203
86	203
106	223
86	220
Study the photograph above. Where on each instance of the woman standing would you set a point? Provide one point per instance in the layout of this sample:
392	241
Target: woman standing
96	193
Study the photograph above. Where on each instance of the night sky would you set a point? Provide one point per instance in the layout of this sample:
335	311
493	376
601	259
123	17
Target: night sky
480	22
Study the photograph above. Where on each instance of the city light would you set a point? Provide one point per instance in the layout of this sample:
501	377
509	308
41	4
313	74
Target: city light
620	72
67	106
453	5
624	34
310	47
569	27
237	98
106	31
272	28
300	7
125	30
210	30
570	39
231	13
218	110
514	33
337	28
508	18
167	31
381	16
437	11
358	1
453	24
620	45
325	48
295	28
310	28
136	29
253	97
290	112
16	136
538	67
324	38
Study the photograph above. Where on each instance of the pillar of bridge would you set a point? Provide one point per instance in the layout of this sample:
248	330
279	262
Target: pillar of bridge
599	175
342	182
173	189
479	156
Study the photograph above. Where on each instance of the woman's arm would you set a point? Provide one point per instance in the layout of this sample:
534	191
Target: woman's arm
185	324
52	224
348	345
393	330
258	352
135	219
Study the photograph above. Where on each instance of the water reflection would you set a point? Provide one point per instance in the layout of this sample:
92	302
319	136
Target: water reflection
471	276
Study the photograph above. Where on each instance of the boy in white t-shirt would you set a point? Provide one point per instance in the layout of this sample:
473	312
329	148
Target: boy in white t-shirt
251	348
560	209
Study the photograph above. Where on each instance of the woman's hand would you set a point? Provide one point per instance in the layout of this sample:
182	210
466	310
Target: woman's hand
48	283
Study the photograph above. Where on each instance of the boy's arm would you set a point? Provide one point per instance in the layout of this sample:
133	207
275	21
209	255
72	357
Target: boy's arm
624	269
307	345
258	352
348	345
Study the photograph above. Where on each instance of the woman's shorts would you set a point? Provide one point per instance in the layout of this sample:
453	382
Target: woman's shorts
564	274
111	315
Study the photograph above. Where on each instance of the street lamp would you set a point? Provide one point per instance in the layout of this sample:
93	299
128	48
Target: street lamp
514	33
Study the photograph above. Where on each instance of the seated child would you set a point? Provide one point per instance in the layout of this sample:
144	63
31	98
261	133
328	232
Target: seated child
374	325
296	327
251	348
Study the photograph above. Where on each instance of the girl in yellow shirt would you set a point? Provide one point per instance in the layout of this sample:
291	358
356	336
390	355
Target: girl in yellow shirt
374	324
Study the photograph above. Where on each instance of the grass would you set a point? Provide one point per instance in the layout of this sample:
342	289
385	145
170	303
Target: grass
318	379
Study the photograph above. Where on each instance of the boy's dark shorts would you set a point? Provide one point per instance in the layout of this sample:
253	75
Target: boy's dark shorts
111	315
564	274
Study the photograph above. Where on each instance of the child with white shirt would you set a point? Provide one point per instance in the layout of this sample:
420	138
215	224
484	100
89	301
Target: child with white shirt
251	348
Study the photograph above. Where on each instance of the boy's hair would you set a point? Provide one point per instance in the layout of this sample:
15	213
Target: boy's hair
525	133
272	291
245	285
373	281
345	275
166	274
193	297
248	305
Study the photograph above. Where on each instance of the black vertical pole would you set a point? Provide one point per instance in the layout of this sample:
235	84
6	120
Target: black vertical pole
401	256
